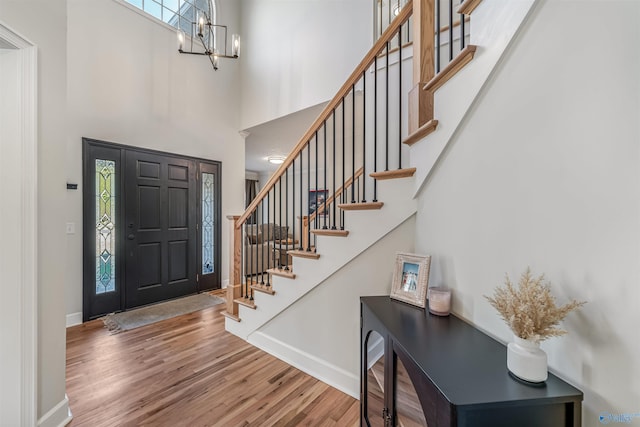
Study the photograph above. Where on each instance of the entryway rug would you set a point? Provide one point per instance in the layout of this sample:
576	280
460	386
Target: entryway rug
118	322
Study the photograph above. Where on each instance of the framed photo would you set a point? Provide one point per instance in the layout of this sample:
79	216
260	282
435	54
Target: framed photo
411	278
316	200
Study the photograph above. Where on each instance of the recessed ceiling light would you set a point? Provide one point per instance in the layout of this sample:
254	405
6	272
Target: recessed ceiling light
276	160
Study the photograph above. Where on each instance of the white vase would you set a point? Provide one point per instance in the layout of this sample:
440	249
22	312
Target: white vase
526	360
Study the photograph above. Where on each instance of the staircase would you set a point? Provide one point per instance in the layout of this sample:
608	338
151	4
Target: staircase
368	153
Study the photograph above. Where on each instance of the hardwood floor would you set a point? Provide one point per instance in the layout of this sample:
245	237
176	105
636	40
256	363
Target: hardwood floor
188	371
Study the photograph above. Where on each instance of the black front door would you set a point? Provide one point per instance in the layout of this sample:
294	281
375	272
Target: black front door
160	221
151	227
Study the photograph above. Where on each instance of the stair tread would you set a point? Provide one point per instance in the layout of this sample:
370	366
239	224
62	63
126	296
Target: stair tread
263	288
246	302
329	232
282	273
393	174
451	69
231	316
421	132
360	206
304	254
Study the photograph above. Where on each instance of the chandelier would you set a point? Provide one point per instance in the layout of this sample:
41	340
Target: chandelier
205	36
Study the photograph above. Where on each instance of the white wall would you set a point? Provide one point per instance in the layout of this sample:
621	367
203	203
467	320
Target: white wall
43	22
544	172
324	326
296	54
128	84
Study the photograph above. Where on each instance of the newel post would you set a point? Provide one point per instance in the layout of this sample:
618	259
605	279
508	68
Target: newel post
421	101
235	264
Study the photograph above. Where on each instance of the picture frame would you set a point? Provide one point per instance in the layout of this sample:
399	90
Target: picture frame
411	278
316	199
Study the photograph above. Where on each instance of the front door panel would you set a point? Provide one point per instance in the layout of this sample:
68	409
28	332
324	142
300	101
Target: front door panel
161	228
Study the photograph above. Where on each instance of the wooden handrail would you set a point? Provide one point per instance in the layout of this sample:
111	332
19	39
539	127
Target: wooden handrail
338	192
468	6
366	62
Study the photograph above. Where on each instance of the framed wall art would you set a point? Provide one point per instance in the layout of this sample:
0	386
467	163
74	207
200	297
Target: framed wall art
411	278
316	200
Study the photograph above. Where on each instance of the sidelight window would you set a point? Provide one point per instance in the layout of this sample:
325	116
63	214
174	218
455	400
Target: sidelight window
105	180
208	186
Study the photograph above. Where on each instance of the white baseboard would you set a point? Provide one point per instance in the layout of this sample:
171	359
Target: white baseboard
58	416
74	319
308	363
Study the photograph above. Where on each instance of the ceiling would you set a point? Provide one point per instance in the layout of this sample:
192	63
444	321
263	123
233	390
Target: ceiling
277	137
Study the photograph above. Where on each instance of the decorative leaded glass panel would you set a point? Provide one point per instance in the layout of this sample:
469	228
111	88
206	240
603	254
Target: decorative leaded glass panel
180	14
105	226
207	222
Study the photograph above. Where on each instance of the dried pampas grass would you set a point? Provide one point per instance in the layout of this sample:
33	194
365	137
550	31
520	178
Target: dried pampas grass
530	310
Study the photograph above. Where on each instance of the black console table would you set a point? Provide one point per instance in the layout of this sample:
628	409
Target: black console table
458	372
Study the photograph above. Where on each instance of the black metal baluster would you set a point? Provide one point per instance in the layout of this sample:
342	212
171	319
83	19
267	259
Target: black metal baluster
353	144
343	160
245	259
280	223
437	37
315	220
450	30
380	16
375	126
249	275
364	134
261	212
301	194
309	194
462	40
293	202
400	98
324	204
386	100
273	237
332	220
268	240
286	215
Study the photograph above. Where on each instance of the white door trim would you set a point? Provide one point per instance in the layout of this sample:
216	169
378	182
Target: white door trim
28	181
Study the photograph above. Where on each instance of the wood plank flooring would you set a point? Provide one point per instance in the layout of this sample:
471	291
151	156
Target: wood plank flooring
188	371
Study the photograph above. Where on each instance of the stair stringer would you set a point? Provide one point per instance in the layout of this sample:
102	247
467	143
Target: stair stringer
365	229
320	333
495	24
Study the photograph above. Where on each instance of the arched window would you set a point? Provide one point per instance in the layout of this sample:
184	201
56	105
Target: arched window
180	14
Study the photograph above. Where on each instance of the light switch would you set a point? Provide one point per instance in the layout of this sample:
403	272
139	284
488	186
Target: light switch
71	228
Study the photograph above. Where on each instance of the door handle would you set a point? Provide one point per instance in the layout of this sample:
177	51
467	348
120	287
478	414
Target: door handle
131	236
